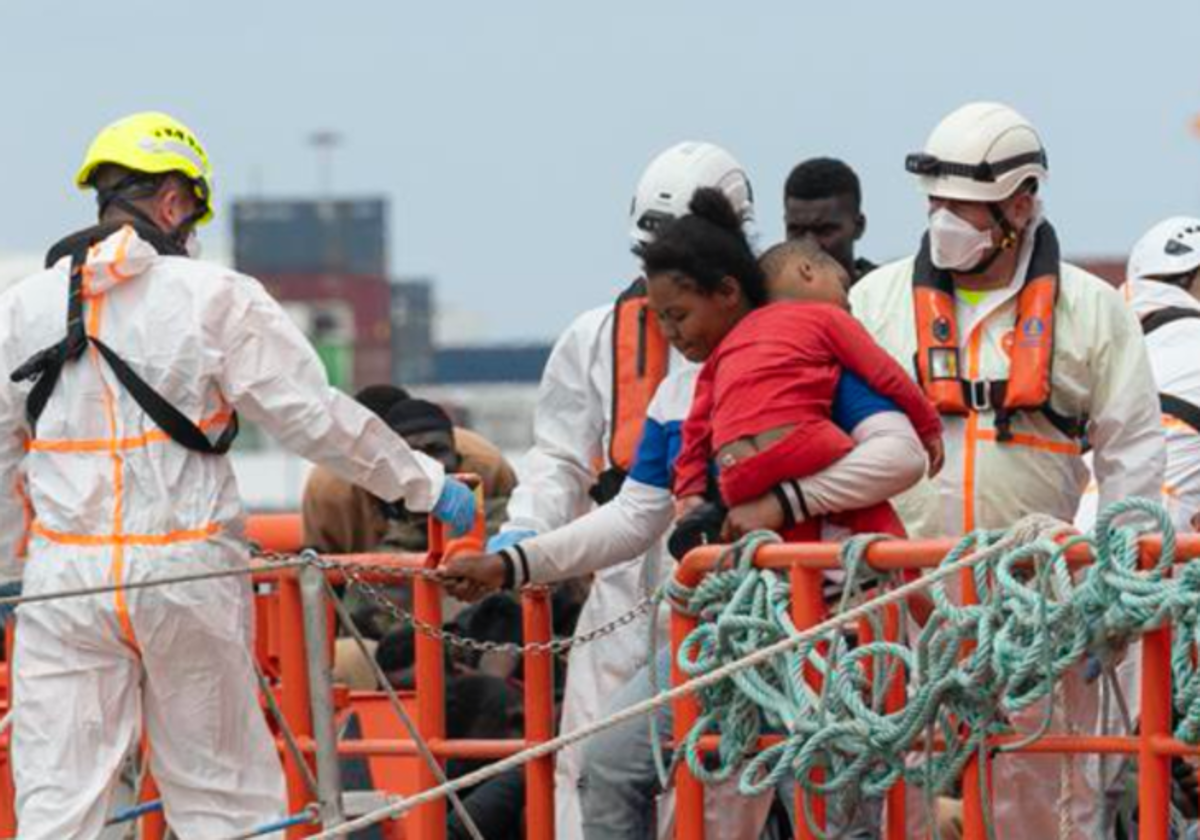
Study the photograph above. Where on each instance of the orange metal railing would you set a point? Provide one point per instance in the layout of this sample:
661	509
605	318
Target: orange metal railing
280	650
427	821
281	653
1153	747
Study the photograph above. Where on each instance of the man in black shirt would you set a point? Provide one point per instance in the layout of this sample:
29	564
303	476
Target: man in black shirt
823	199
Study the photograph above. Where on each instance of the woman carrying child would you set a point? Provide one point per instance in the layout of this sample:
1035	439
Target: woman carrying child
621	784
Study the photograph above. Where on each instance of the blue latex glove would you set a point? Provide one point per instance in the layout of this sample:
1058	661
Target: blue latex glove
507	539
12	589
456	507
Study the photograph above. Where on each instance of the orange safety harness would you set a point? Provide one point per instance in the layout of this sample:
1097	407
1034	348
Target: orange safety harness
640	354
938	362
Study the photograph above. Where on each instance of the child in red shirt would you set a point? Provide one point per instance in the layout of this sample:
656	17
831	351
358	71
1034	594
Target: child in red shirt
763	400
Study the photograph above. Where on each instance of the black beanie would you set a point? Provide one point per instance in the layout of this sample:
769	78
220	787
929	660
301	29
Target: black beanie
411	417
381	398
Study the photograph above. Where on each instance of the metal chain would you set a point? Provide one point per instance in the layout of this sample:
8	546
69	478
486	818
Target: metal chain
355	577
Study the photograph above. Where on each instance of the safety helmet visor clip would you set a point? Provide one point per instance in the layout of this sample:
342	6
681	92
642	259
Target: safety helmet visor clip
986	172
653	221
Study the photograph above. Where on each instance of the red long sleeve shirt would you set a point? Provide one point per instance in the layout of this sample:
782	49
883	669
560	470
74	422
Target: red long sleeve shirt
780	366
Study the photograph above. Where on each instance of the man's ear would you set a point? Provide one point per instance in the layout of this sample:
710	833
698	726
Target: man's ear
168	205
860	226
174	203
1021	211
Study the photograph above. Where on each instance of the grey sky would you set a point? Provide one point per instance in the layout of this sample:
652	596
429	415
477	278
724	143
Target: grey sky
509	136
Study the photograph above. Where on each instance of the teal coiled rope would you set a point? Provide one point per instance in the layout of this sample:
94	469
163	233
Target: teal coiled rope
971	665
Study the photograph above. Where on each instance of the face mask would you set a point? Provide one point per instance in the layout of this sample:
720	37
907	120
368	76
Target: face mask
955	244
752	238
192	245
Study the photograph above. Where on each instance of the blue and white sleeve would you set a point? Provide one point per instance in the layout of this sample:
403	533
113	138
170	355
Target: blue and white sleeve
625	528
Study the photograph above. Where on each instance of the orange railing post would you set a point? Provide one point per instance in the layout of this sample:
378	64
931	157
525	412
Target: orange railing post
894	696
894	700
294	702
429	821
689	792
974	810
539	714
808	610
1154	766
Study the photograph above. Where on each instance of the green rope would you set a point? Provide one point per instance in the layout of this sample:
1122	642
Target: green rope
972	666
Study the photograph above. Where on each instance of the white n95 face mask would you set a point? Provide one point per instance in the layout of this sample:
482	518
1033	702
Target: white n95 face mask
955	244
191	245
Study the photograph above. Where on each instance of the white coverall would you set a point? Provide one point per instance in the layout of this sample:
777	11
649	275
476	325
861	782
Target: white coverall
1099	370
114	500
572	431
1173	350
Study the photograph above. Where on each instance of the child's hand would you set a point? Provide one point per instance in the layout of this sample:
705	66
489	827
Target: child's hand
936	450
471	578
686	504
763	513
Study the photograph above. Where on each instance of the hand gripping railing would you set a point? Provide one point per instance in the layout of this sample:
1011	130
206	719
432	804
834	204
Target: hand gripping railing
1152	747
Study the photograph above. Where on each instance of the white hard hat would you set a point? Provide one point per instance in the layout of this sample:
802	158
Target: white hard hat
981	152
673	177
1170	248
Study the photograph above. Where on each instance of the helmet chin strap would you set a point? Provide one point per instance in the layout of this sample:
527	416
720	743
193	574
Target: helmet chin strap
1180	281
178	235
1008	240
114	196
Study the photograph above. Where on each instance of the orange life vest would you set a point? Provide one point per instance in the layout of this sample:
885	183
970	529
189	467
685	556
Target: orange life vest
939	363
639	364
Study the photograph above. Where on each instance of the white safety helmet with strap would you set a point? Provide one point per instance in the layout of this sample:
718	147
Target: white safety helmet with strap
981	152
1169	249
674	176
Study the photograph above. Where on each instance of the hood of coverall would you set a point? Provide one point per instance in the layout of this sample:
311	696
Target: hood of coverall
116	253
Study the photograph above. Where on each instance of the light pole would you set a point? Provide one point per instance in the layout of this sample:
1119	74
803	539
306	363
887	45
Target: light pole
325	142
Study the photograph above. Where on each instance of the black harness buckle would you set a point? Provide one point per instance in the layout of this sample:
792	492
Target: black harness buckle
978	395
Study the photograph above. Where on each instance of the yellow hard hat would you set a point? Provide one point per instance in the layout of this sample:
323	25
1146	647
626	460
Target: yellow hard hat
153	143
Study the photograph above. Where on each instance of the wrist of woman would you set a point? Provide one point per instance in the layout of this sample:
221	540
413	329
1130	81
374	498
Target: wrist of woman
516	566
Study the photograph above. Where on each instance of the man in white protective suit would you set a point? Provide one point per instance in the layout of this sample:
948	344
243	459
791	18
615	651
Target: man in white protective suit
1162	288
126	364
591	407
1024	355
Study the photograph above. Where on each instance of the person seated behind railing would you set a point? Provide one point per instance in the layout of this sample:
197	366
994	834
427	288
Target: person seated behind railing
485	707
479	706
427	428
339	518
